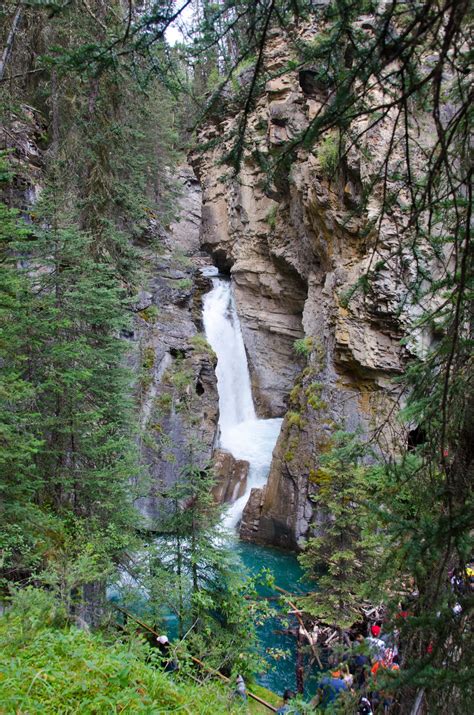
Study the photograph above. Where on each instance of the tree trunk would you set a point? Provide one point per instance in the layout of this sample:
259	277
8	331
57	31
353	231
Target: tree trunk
299	663
8	47
418	704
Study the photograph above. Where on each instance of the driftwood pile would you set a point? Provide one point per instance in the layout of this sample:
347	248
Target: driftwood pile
320	635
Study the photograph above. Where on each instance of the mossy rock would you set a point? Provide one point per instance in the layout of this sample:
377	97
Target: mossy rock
150	314
294	419
295	394
291	447
316	403
200	344
148	359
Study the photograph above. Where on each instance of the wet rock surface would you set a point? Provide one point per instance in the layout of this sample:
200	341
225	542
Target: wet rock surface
23	140
249	525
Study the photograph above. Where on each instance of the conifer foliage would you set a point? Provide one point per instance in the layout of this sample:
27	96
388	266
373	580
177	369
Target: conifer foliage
68	275
342	557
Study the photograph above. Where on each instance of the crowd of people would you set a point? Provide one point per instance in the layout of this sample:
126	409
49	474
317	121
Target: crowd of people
358	669
356	672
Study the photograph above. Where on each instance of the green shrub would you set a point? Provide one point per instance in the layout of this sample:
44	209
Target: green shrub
271	217
303	346
327	154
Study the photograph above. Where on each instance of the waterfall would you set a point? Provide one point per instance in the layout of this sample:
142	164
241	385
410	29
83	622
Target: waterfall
241	433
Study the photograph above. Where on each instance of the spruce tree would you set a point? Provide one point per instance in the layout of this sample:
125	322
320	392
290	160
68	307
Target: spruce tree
193	567
343	555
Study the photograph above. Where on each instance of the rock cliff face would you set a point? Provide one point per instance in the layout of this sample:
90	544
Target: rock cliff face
176	383
23	142
174	367
296	252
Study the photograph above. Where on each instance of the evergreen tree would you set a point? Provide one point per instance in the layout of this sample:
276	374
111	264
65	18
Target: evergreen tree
71	452
194	571
342	556
67	279
19	440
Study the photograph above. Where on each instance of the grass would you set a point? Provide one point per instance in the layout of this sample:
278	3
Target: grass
54	669
295	420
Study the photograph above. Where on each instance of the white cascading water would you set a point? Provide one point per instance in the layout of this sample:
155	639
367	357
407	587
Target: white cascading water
241	433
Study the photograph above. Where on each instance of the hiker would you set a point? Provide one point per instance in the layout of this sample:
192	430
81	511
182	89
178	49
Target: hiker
404	611
364	708
285	708
359	666
348	678
240	688
457	582
376	645
388	663
169	663
457	610
329	689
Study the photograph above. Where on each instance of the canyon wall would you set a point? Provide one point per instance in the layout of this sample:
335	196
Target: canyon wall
176	388
322	351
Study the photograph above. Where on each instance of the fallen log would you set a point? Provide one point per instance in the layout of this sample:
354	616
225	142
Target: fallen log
222	677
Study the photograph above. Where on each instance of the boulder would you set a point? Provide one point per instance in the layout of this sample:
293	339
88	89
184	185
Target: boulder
231	477
251	515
